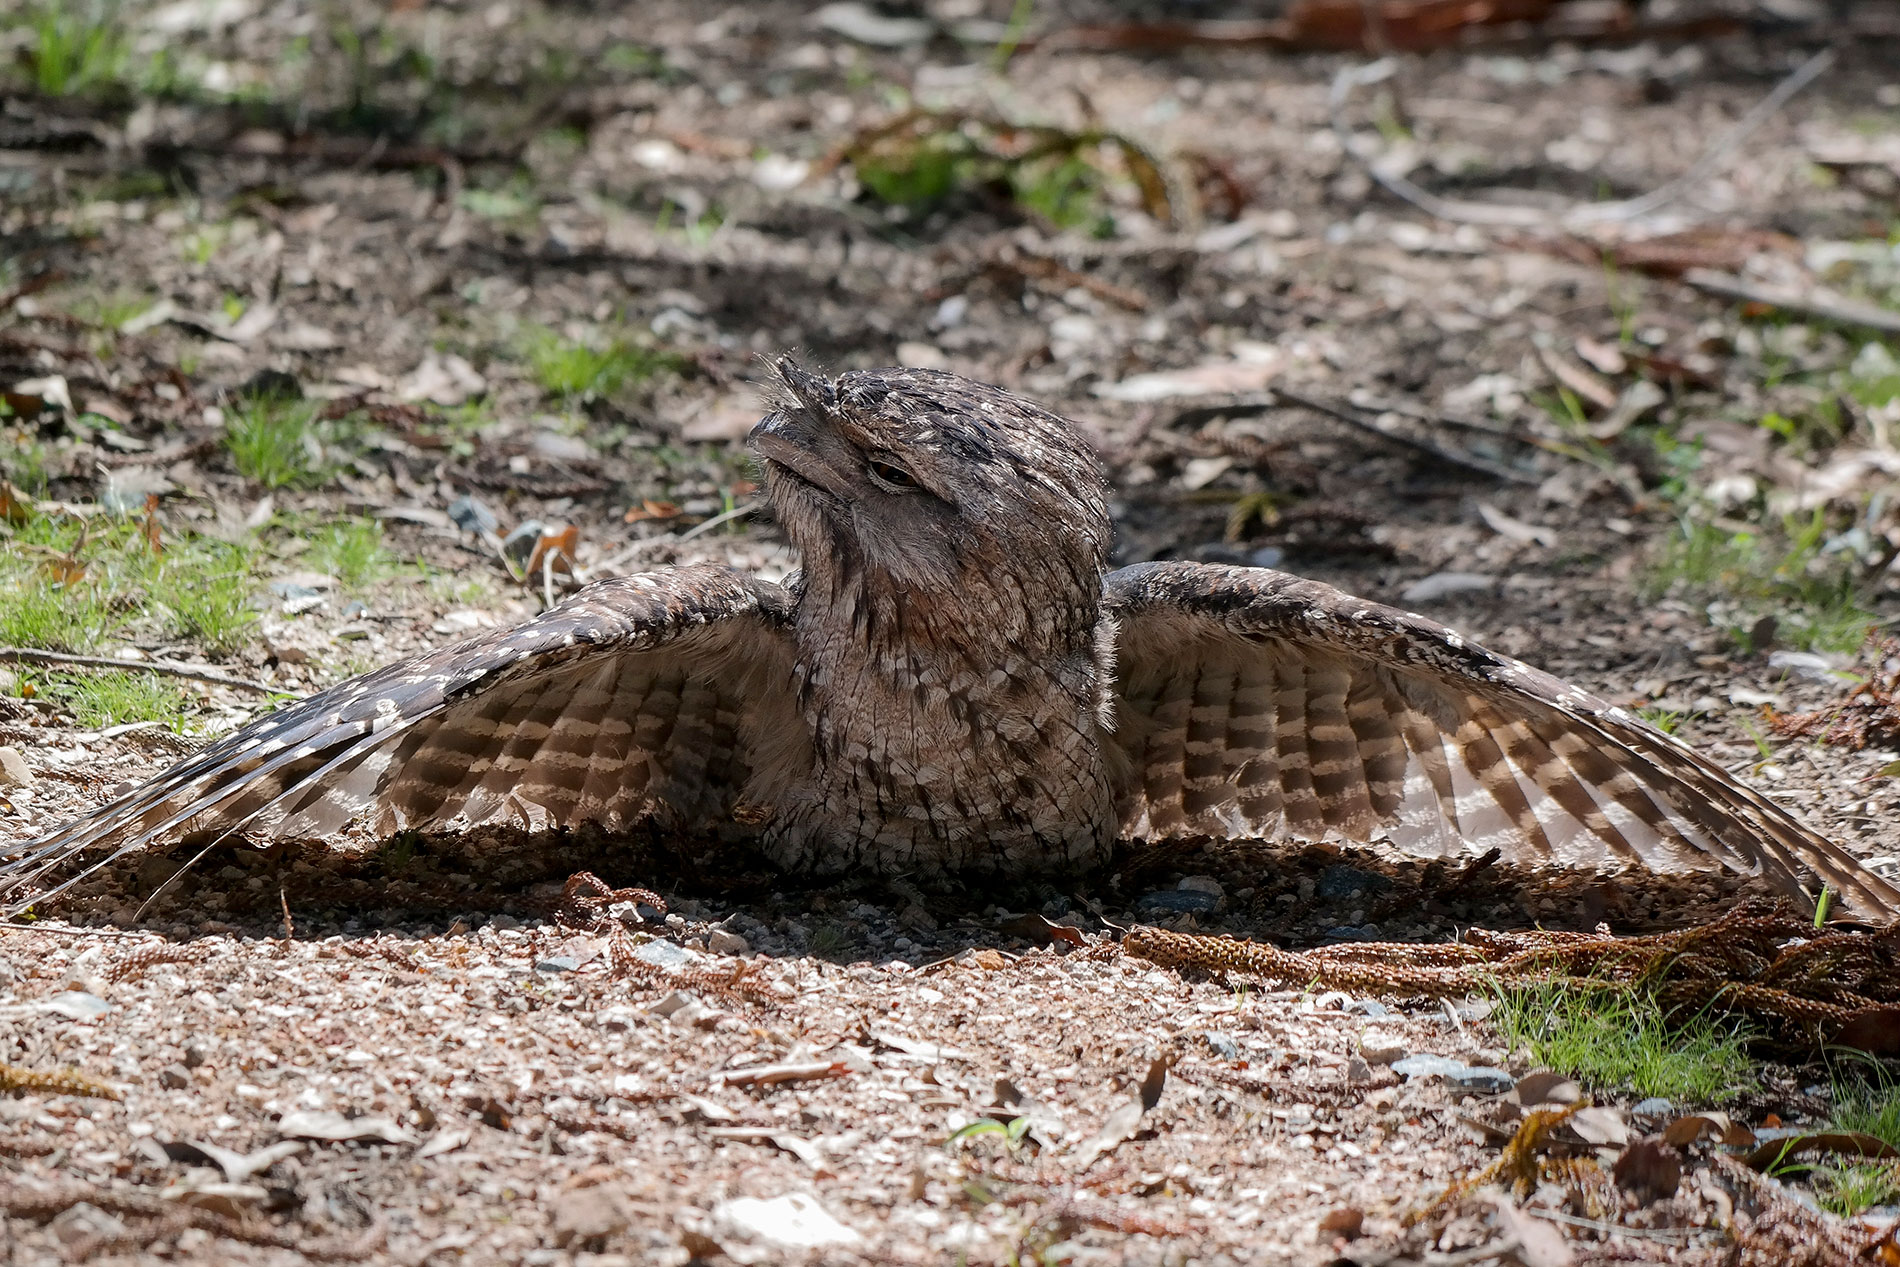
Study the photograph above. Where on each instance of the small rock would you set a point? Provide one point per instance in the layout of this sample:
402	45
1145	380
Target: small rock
1655	1106
794	1221
1456	1072
921	356
1203	884
15	773
557	963
674	1002
1342	881
666	954
77	1005
865	25
1357	1070
194	1056
83	1222
1381	1049
586	1217
721	942
1175	902
1429	589
174	1077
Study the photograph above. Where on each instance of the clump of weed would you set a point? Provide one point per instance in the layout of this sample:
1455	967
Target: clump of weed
206	594
99	700
39	612
50	596
1866	1101
69	585
1783	571
277	441
352	550
1065	178
76	48
1622	1038
579	368
23	459
828	941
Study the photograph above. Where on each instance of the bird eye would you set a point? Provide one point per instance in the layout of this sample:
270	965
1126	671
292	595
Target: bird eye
890	477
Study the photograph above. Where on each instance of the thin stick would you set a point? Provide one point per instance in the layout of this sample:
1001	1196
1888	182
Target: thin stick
62	930
170	668
1423	446
638	548
1459	211
1816	302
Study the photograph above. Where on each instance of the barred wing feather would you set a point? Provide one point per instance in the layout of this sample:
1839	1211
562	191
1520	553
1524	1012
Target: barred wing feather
665	695
1252	702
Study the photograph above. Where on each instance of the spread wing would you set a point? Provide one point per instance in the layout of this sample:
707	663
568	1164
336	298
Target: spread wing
1252	702
664	696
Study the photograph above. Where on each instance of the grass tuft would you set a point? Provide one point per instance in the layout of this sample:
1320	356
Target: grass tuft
207	596
37	612
352	550
1784	572
76	48
276	442
68	586
99	700
1612	1037
576	368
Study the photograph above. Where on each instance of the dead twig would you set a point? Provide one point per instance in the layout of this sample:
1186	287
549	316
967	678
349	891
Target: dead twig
64	930
637	548
1459	211
169	668
763	1075
1815	302
1449	456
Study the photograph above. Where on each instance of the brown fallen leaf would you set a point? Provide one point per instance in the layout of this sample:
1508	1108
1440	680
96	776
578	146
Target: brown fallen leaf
1538	1243
1345	1221
1545	1086
1578	379
1648	1169
1122	1123
554	550
1698	1126
1776	1152
650	509
15	507
1875	1030
1033	927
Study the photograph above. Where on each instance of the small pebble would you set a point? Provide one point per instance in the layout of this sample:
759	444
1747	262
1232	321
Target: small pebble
721	942
13	769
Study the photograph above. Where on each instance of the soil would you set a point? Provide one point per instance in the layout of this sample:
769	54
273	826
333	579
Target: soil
460	1067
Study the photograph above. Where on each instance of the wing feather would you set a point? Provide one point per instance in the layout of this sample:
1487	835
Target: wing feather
1378	724
662	694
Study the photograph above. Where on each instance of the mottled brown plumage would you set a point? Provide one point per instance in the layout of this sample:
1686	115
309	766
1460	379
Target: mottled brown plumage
954	683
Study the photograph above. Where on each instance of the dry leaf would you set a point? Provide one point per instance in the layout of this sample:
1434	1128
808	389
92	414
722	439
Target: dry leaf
555	550
651	510
1538	1243
1648	1169
333	1127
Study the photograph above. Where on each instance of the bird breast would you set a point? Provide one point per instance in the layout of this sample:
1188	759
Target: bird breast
928	758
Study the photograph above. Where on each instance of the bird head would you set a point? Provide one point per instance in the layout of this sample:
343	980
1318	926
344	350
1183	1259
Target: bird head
927	484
